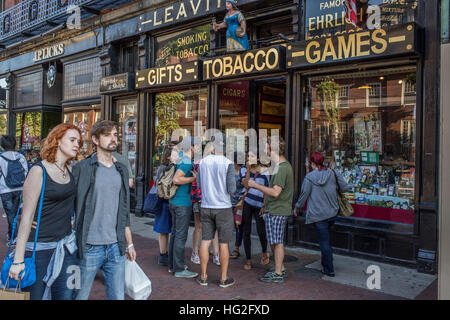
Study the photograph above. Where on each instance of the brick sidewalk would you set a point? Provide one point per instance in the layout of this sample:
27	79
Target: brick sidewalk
301	284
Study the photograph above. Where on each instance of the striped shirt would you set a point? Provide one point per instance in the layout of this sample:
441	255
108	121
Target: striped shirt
255	198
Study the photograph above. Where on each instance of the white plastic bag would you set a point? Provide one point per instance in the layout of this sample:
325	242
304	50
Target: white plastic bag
137	285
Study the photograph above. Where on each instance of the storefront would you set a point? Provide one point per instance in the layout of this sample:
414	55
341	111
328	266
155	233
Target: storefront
357	92
37	104
3	106
81	95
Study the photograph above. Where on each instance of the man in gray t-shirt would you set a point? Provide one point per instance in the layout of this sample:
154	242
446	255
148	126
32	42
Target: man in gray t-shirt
106	203
104	237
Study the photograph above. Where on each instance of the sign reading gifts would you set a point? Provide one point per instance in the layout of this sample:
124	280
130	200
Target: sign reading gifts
167	75
397	40
248	62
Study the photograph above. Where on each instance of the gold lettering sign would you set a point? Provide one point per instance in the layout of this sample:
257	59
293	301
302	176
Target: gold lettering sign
396	40
48	52
248	62
168	75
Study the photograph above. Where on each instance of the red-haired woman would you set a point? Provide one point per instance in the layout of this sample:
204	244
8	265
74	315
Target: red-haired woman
56	248
320	190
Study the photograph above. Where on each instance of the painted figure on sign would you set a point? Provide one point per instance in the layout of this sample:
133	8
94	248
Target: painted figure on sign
236	28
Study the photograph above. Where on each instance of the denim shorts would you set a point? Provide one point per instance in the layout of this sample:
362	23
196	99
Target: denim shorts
217	219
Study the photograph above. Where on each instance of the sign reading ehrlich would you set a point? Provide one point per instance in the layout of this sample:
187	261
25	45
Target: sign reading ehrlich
248	62
172	74
396	40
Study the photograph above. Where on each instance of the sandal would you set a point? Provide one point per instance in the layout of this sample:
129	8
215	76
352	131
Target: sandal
265	259
235	254
248	265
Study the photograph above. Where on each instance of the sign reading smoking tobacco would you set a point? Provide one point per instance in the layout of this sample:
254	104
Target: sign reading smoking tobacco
248	62
172	74
394	41
117	83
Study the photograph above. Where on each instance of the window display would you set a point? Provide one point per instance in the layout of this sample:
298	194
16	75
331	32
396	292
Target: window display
370	139
126	113
84	119
176	110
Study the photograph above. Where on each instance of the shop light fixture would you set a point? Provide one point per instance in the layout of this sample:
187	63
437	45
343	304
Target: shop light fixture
400	81
365	87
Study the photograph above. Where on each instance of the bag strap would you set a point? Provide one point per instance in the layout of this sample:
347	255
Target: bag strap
338	187
39	214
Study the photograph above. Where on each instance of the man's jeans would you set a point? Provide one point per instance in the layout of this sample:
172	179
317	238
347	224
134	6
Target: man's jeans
181	217
323	232
11	201
108	259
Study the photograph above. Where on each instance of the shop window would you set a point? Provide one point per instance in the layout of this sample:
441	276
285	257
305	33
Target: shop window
170	115
3	123
126	117
129	58
183	46
28	130
234	106
373	149
189	108
29	90
84	120
82	79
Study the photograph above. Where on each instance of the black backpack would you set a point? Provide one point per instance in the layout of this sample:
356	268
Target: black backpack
15	175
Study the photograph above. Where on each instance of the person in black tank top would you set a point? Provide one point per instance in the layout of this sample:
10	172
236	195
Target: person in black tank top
54	228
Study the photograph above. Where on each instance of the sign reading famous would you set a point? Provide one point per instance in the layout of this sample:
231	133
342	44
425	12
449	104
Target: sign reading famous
397	40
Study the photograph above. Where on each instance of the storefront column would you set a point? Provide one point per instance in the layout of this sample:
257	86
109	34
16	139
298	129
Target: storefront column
108	54
428	106
10	79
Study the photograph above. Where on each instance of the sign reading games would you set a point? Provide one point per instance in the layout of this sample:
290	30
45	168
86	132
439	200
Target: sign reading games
168	75
248	62
394	41
181	11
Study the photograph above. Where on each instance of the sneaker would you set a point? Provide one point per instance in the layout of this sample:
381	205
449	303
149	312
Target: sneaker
216	260
163	259
195	259
186	274
328	274
283	273
202	282
227	283
272	277
185	268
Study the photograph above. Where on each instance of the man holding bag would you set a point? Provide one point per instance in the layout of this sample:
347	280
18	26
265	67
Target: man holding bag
102	215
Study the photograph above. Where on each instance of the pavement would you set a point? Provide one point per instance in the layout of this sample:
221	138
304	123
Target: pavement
304	282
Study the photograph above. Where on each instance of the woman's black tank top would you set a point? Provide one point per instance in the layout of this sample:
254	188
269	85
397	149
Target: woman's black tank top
56	210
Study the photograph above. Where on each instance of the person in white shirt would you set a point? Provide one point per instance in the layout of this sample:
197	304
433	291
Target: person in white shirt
10	196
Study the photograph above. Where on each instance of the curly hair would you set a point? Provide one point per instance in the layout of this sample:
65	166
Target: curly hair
48	152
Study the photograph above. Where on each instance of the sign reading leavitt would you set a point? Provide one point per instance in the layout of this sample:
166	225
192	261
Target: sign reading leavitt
397	40
168	75
248	62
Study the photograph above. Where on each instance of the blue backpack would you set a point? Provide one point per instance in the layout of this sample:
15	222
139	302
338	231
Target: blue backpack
15	176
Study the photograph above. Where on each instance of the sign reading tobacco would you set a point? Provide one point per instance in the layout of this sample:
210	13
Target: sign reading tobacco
248	62
172	74
394	41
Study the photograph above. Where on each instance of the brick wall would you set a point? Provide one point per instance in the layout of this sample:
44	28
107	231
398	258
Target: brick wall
10	3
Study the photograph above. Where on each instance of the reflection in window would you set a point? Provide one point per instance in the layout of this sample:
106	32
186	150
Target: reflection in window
171	113
373	148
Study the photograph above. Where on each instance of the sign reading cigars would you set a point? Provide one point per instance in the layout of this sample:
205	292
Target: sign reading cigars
269	59
393	41
171	74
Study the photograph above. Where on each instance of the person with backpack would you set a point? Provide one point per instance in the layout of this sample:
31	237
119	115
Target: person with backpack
319	188
163	220
13	171
181	209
